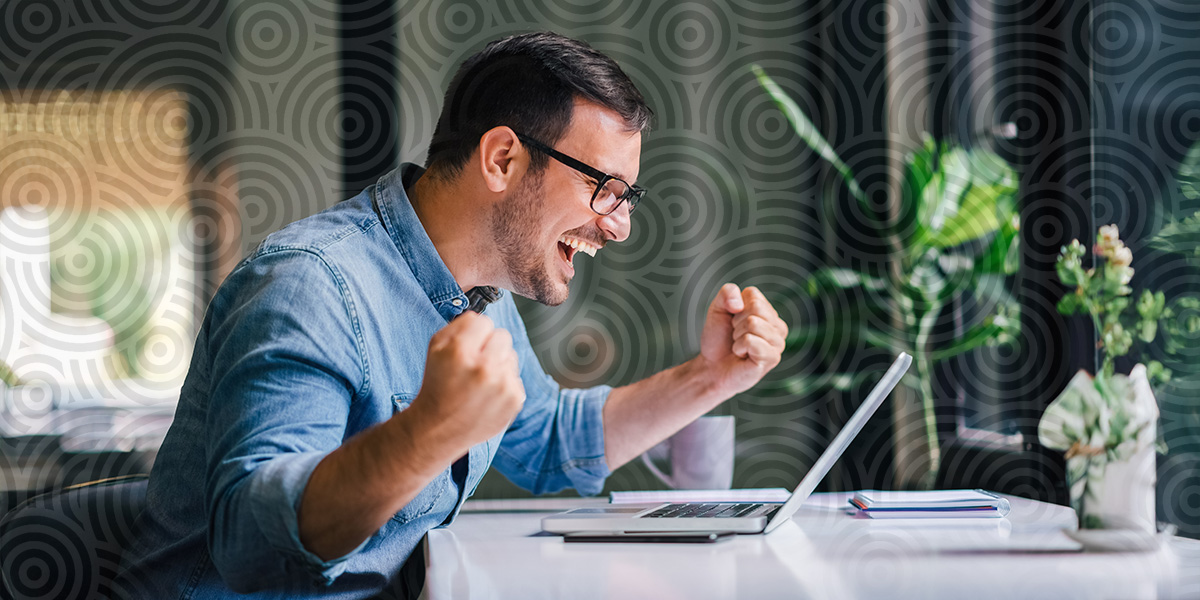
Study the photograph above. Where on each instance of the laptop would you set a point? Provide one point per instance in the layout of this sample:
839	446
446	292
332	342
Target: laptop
737	517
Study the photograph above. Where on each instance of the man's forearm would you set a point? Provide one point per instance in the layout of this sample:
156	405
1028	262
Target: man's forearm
355	489
639	415
743	339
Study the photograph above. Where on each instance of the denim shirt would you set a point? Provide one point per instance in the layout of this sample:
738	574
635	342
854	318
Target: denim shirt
318	335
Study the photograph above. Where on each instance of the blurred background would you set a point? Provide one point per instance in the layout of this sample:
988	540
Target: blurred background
146	147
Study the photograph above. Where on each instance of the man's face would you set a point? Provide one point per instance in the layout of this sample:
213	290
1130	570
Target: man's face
547	220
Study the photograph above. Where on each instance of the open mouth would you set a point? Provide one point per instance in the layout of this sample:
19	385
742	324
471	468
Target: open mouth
568	246
567	253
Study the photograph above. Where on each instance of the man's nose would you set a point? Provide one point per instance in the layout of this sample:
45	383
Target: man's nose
617	224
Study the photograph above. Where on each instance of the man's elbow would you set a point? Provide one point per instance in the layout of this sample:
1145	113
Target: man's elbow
248	570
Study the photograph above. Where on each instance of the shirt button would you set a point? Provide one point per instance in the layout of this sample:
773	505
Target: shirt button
456	302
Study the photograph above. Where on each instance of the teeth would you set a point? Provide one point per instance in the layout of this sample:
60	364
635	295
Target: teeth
579	245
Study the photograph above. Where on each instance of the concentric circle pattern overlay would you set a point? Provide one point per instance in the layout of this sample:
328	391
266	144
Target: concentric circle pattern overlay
146	147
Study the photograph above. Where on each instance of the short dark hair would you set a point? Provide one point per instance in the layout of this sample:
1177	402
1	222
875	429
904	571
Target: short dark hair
528	82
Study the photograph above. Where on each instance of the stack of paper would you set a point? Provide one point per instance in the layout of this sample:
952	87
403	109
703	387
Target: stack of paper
939	504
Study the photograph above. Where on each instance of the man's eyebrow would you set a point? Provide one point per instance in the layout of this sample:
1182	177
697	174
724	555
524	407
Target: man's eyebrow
616	174
619	175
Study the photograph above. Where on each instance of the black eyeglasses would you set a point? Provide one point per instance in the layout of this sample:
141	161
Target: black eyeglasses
610	191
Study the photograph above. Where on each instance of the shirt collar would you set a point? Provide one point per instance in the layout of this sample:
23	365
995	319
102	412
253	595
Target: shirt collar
401	222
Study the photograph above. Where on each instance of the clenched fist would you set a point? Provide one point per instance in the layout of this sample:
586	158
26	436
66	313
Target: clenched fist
472	386
743	338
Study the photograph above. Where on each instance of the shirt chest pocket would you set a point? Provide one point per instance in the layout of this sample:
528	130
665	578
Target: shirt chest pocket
427	499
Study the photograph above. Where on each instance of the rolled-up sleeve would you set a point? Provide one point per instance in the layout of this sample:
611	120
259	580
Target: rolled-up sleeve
557	440
285	367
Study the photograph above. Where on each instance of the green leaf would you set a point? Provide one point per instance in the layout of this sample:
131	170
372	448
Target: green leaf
1114	308
1151	305
807	131
979	197
1181	236
1003	255
1066	275
1189	173
988	168
1069	304
1147	330
914	206
1157	373
1181	327
978	216
952	179
982	334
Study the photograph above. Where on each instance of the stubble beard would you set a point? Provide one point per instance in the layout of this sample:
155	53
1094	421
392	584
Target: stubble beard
519	247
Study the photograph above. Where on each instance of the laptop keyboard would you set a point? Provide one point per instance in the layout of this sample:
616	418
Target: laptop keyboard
700	511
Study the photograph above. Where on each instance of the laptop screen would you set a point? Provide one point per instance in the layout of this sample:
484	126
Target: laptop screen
842	440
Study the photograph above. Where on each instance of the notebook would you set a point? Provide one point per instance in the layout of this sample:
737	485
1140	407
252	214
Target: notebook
936	504
740	517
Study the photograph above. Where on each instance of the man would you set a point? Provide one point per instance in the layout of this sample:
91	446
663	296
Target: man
357	374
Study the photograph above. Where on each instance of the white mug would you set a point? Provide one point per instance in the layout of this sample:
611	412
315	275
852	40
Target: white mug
701	455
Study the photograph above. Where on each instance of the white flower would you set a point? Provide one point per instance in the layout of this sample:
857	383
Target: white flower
1109	236
1124	274
1121	256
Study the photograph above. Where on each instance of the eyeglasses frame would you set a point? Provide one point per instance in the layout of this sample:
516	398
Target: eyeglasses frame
633	197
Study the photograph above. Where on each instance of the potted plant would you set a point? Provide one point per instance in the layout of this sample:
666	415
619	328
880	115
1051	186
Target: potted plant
956	234
1106	423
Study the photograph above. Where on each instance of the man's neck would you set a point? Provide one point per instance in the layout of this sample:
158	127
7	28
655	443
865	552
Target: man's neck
455	221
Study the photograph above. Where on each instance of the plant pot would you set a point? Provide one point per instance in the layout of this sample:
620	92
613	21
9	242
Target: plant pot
1110	440
1122	496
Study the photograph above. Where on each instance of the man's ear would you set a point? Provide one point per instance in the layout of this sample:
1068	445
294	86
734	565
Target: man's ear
501	159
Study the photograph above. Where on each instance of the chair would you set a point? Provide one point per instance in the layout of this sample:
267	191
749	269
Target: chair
67	544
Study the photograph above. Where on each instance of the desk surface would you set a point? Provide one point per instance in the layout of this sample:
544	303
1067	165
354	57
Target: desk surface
500	552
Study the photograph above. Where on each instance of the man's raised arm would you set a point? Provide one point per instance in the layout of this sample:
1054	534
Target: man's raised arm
471	391
743	339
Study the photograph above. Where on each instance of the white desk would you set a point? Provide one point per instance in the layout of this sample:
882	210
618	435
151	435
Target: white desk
822	553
